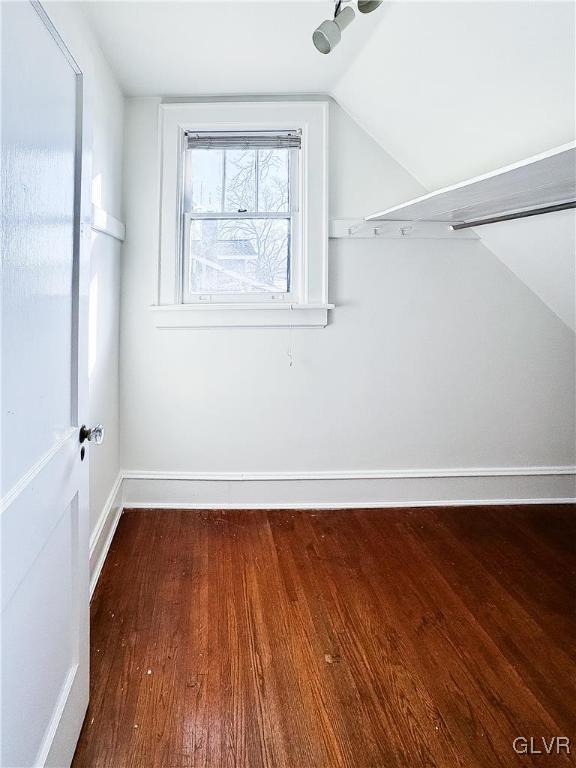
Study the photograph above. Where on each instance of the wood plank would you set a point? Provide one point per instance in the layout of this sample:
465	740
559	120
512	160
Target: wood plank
544	180
333	639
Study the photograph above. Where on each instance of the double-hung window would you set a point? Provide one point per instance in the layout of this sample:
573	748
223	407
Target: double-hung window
241	229
243	215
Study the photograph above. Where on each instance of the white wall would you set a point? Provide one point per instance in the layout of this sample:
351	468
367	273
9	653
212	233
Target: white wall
107	108
363	177
456	89
437	356
541	251
104	350
449	89
104	354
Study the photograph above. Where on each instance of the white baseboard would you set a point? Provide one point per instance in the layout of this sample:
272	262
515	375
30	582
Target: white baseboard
103	533
355	474
353	489
194	506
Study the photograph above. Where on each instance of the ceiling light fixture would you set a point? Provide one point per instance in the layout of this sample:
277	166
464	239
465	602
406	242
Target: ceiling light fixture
367	6
327	36
329	33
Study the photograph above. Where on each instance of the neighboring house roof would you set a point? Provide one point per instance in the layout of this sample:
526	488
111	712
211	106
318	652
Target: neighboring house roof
230	249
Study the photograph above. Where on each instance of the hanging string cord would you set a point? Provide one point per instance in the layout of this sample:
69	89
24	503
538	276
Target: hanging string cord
337	9
289	349
290	355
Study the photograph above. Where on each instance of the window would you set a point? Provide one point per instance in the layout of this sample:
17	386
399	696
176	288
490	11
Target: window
240	216
243	215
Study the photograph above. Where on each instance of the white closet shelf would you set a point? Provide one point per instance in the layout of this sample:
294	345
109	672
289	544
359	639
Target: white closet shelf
545	180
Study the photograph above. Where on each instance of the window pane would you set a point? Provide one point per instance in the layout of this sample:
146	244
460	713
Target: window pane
273	180
204	171
238	256
240	174
219	180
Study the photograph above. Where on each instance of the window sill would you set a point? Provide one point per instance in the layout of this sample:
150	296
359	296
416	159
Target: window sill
241	315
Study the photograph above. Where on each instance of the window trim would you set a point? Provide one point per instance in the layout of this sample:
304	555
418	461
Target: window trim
308	307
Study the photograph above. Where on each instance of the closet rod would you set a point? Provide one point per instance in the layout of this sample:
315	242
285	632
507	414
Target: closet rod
519	215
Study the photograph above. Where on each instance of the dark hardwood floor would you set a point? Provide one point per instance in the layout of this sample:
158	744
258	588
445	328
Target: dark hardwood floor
359	638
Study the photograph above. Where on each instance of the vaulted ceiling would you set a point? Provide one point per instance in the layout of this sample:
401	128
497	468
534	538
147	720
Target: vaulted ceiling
450	89
456	89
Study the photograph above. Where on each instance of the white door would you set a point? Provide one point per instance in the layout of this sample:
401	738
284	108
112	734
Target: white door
44	687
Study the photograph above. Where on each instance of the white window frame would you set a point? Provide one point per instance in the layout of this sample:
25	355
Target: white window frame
292	215
309	306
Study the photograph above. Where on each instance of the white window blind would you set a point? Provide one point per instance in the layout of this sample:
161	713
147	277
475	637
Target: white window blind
255	140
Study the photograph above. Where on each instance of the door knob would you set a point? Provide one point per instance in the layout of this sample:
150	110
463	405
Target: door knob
94	434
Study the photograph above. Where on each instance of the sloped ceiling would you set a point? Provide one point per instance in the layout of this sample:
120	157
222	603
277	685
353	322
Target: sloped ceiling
456	89
453	90
450	90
